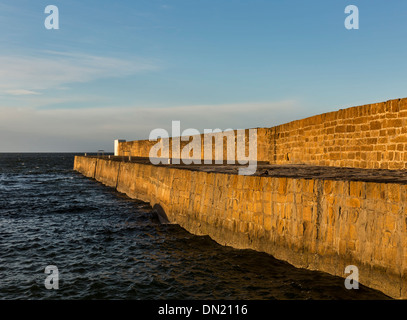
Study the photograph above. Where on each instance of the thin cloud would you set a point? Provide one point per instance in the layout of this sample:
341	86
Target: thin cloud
57	69
21	92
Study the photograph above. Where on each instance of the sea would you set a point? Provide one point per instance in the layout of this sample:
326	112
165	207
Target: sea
67	237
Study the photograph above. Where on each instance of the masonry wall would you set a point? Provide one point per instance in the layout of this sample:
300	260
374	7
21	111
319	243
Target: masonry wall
316	224
371	136
223	146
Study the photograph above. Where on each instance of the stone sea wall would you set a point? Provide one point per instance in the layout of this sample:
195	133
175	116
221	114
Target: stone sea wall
370	136
311	223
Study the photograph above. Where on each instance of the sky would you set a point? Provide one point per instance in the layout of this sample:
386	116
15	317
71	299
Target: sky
119	69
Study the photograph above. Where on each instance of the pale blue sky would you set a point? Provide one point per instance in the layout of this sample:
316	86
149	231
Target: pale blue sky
119	69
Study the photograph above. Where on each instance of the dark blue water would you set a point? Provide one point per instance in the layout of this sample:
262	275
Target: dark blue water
107	246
